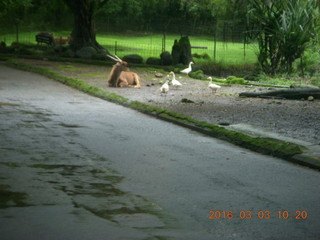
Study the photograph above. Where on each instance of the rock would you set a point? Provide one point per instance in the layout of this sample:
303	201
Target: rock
133	58
86	52
186	100
68	53
310	98
60	49
181	51
158	75
166	59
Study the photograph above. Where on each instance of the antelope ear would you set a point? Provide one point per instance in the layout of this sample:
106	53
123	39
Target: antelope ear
124	63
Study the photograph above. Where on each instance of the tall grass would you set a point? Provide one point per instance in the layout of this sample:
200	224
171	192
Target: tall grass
152	46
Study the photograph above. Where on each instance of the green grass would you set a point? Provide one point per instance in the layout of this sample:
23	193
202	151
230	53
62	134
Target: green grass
67	67
151	45
287	80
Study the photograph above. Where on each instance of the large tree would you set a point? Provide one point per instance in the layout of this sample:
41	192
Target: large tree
83	34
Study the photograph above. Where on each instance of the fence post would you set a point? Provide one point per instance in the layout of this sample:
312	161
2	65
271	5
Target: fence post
214	45
164	43
244	45
17	32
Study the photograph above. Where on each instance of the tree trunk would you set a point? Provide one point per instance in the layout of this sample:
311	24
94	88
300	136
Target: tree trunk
83	34
302	93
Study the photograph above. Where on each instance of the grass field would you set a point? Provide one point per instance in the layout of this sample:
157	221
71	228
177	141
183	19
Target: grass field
152	45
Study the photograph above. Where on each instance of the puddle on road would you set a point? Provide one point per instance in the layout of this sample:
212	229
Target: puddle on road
10	164
70	125
11	199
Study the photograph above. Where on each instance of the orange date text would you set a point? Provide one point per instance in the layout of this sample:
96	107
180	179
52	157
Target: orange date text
283	214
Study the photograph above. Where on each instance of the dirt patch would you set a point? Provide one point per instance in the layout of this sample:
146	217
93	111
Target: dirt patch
290	118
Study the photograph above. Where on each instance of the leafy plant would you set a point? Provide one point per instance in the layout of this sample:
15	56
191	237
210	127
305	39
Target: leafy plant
283	30
235	80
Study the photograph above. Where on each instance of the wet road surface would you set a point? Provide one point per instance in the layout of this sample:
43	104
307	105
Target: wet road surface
77	167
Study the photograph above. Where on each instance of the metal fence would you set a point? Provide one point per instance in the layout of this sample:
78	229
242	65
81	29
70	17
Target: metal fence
226	46
202	47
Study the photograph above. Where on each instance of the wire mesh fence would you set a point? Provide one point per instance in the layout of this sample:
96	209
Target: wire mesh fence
202	47
226	47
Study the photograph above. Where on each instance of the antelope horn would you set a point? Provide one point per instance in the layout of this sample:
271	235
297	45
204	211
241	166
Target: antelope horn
118	58
114	59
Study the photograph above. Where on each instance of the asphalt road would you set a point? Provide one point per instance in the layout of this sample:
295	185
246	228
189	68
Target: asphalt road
77	167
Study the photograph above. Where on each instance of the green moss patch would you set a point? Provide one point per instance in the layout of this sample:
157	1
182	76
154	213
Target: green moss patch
235	80
10	164
68	67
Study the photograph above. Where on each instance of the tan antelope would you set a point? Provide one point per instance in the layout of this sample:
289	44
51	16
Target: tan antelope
120	76
62	41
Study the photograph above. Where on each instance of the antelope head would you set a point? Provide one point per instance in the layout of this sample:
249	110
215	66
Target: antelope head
117	59
116	70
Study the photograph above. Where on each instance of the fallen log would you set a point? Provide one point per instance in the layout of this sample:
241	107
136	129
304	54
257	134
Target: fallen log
301	93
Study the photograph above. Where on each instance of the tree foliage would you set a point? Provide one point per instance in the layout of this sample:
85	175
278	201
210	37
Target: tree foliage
13	11
121	15
283	30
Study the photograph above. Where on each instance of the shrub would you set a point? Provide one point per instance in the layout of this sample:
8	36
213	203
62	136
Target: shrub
133	58
235	80
203	56
221	69
166	58
315	81
198	75
153	61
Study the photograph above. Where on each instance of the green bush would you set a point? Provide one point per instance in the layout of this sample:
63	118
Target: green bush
198	75
133	58
222	69
235	80
153	61
203	56
310	62
315	81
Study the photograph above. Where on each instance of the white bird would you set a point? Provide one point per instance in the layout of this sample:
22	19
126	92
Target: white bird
175	83
165	87
188	69
212	86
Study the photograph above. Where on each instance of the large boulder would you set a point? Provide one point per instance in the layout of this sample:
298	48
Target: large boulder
86	52
133	58
181	51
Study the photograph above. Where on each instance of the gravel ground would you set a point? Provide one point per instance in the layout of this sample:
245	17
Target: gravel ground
291	118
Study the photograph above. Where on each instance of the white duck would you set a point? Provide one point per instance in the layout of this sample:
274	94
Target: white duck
212	86
165	87
175	83
188	69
